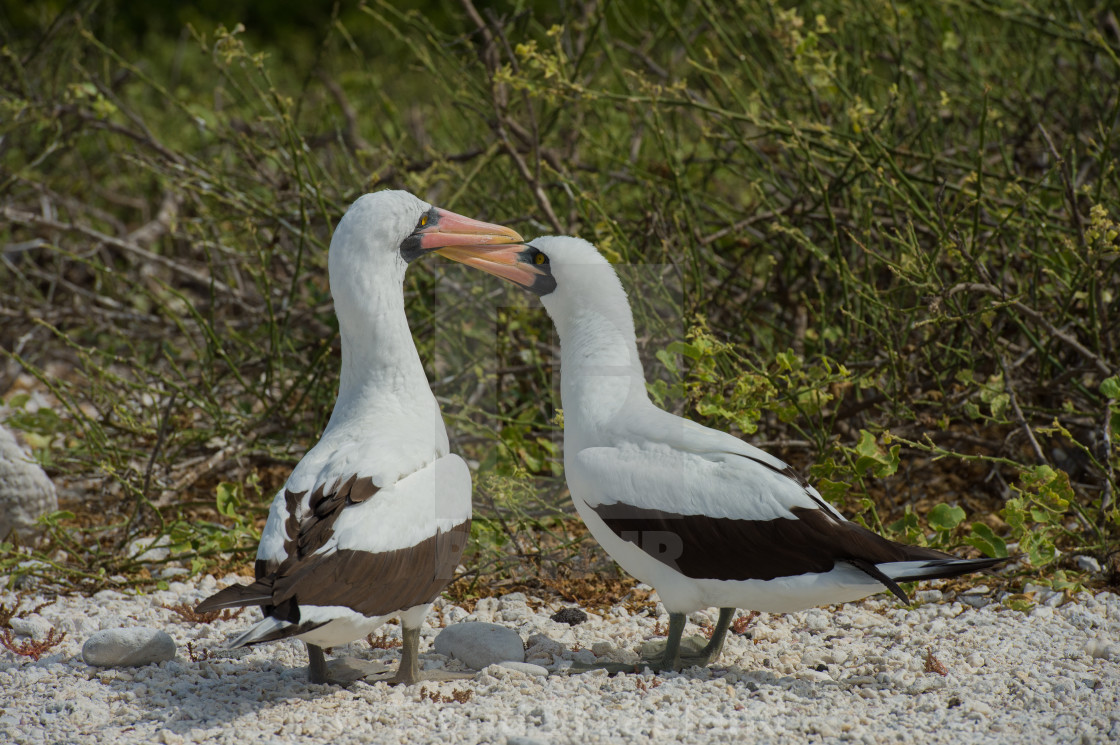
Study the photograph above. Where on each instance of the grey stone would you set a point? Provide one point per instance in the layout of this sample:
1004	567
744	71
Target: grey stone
524	667
128	647
522	740
478	644
1101	649
1088	564
26	492
34	626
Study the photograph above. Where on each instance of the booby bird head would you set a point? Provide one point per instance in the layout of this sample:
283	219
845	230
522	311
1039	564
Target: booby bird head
396	228
562	270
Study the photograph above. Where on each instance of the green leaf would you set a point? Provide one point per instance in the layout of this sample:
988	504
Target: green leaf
669	360
228	498
999	404
872	457
54	518
832	491
788	361
944	517
1110	387
688	350
19	400
986	541
908	528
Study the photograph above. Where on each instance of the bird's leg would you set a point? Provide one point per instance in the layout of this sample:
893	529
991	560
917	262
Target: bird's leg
710	652
317	665
688	652
408	673
671	659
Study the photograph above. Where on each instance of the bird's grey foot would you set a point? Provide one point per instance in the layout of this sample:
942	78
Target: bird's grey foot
408	672
404	677
694	650
346	670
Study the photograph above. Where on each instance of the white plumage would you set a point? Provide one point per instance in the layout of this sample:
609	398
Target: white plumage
373	520
700	515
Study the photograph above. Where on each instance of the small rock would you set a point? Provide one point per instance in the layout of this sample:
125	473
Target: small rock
453	614
516	614
478	644
1099	649
148	550
570	616
602	649
485	609
1088	564
26	492
130	647
520	740
928	596
584	657
977	710
34	626
543	644
976	601
524	667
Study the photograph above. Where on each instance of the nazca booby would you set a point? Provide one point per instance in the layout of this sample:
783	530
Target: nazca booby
374	519
705	518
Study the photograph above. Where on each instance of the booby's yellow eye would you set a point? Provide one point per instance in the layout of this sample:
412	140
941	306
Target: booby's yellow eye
539	259
423	220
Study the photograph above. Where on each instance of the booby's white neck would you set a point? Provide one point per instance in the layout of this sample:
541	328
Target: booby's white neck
382	384
601	375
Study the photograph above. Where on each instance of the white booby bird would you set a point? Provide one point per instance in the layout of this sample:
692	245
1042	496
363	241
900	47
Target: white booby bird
374	519
700	515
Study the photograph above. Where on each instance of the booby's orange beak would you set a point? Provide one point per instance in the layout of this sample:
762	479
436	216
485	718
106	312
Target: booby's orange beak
446	228
440	229
506	262
494	249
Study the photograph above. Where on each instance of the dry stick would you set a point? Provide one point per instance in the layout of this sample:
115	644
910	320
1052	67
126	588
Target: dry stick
534	140
351	135
1035	315
143	496
211	464
150	232
1018	411
28	218
1071	197
502	122
1063	171
1106	498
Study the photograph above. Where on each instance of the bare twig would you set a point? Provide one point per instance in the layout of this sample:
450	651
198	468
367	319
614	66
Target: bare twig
1063	170
1036	316
351	135
150	232
27	218
1018	411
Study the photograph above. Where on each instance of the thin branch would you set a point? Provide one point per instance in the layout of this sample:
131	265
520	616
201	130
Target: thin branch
1019	412
1036	316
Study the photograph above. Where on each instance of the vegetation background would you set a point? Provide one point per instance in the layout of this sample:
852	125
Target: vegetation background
878	238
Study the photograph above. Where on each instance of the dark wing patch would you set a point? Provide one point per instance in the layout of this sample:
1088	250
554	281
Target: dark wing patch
705	547
309	531
373	584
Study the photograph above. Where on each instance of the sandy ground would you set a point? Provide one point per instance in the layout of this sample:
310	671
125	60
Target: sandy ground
853	673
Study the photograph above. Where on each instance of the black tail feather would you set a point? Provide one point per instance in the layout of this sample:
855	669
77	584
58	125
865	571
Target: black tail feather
237	596
944	569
